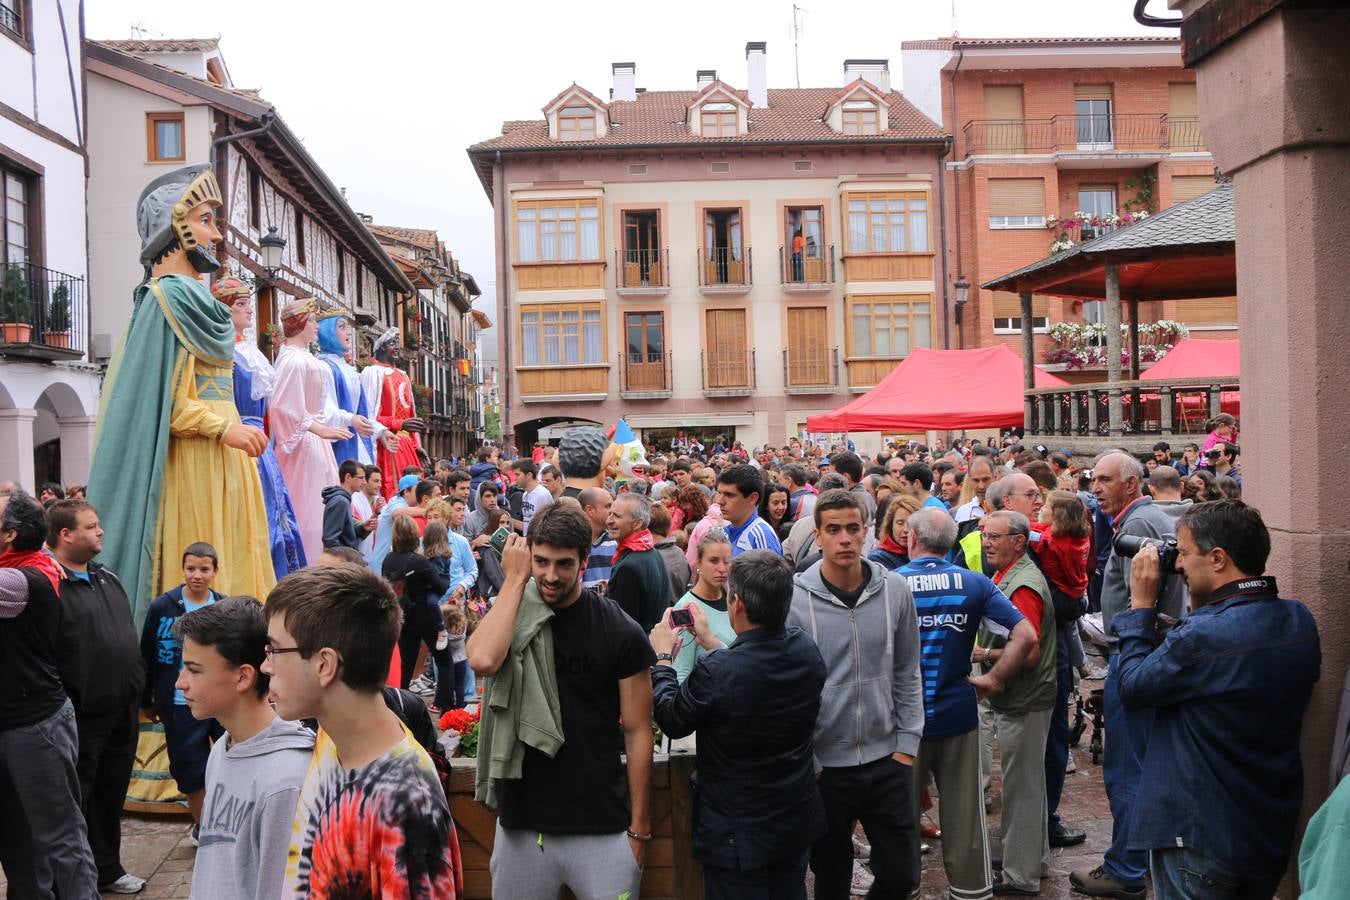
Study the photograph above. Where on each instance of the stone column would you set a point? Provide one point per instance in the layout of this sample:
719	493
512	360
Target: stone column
16	448
1113	343
77	447
1132	336
1273	109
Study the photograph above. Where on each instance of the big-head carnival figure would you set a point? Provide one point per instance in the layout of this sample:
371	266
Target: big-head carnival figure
389	394
173	463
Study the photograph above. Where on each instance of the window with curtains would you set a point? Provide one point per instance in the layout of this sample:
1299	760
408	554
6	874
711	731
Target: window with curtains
718	120
557	230
576	123
890	326
164	137
894	222
860	117
16	194
561	334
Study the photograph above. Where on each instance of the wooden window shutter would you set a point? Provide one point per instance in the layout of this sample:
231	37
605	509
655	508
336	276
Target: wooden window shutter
1181	100
1009	305
1209	311
1003	101
1017	196
1092	92
1188	187
808	355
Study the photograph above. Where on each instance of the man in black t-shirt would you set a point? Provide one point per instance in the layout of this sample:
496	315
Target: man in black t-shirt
573	819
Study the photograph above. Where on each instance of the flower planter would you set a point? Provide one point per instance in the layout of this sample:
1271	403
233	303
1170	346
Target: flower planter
56	339
17	333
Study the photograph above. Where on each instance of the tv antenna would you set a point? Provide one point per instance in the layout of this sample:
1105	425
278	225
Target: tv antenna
796	35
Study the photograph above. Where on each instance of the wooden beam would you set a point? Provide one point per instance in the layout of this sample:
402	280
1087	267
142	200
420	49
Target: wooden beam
1113	343
1133	334
1028	343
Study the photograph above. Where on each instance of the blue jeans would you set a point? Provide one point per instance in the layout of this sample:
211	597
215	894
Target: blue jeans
1057	744
1126	738
1180	873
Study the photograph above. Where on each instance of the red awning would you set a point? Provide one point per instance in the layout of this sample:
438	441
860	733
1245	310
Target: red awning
1194	358
941	390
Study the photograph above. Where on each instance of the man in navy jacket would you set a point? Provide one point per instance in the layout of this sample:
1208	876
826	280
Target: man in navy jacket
1222	779
754	705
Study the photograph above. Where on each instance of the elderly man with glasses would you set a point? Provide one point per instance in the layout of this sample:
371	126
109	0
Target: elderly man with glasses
1021	711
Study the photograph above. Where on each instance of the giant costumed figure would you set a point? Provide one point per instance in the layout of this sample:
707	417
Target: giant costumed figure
254	379
389	394
344	400
299	424
173	463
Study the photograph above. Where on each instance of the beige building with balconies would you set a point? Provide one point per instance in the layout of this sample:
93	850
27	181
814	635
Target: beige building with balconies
713	261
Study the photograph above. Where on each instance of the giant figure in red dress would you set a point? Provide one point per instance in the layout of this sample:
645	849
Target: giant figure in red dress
389	392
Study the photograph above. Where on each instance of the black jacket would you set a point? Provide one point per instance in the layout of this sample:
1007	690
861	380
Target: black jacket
754	705
30	683
100	651
339	529
640	584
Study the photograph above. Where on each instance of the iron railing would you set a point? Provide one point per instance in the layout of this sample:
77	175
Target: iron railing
10	18
814	267
645	372
810	368
1124	131
642	269
42	308
725	266
1164	407
731	372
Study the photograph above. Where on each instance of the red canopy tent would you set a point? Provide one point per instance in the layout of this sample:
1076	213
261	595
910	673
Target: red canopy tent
1194	358
941	390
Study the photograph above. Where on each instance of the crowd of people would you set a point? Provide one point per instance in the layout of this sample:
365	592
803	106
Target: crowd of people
845	638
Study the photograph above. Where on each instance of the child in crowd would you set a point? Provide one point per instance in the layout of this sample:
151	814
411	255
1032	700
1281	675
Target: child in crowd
187	739
419	588
254	773
1222	428
1064	545
457	624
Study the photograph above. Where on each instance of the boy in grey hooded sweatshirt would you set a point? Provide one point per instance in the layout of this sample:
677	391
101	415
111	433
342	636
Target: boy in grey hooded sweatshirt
863	620
254	773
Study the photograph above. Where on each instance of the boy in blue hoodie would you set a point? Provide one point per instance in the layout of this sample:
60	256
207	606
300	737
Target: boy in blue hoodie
254	773
188	740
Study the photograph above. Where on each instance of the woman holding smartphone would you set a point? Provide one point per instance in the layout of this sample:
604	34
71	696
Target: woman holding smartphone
707	600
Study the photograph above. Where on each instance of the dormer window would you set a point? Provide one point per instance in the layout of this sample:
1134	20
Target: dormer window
718	120
860	117
576	123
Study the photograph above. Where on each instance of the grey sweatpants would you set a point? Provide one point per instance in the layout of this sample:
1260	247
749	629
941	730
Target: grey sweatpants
955	765
529	866
43	842
1026	839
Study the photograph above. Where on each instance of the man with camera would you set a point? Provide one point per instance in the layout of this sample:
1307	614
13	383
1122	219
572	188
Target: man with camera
759	810
1117	483
1218	799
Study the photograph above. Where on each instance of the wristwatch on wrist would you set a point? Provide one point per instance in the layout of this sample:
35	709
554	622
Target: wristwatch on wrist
666	657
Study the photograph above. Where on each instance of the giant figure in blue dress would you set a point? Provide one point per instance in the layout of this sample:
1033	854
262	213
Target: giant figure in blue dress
345	405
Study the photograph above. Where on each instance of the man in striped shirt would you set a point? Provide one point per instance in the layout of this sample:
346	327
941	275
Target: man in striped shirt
595	502
738	490
951	602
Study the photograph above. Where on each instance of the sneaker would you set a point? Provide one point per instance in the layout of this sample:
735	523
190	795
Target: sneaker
442	640
861	849
1097	883
1070	767
195	837
127	884
862	880
422	685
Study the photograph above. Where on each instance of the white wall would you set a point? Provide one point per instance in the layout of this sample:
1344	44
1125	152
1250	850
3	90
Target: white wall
922	74
41	90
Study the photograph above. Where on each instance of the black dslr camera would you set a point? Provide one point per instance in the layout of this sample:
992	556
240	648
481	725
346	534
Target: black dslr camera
1128	545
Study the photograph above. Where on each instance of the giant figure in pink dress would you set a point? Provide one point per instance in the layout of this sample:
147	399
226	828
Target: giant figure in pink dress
299	431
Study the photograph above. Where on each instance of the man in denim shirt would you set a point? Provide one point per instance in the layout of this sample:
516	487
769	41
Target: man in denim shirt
1222	779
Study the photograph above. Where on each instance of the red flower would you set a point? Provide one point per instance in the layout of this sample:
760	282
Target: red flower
458	720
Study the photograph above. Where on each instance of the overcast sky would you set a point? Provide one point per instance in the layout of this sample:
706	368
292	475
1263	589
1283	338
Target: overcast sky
387	95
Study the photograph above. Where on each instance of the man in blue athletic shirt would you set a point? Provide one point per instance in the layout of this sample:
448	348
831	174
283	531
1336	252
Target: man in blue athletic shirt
951	602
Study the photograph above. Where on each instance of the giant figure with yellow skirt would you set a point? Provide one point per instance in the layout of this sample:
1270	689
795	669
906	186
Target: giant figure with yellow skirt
173	463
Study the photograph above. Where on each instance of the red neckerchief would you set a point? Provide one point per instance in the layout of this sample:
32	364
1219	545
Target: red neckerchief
635	543
1120	516
33	559
890	546
999	575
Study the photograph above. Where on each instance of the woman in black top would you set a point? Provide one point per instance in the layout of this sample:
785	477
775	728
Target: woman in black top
419	588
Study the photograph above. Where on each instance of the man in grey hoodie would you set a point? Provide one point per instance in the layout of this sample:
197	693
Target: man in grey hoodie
254	773
871	714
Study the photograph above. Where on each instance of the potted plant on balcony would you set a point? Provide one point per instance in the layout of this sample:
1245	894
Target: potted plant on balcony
57	331
423	394
14	308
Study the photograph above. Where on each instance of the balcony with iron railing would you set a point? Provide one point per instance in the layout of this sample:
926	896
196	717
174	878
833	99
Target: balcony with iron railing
728	373
645	375
1130	414
725	270
10	18
642	273
1083	134
42	313
811	270
810	370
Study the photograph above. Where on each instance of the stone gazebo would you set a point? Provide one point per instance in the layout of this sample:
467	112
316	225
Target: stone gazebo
1185	252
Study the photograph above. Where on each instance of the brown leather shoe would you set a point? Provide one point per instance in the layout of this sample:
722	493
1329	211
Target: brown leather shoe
1096	883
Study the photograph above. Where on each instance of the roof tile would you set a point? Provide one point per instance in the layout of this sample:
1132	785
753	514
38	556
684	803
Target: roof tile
170	45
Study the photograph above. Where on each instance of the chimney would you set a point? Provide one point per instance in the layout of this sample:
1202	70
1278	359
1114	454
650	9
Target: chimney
875	71
754	64
705	76
625	81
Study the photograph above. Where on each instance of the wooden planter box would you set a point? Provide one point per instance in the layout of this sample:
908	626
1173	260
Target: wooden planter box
671	872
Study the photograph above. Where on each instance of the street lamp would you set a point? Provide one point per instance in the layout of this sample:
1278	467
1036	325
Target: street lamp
273	245
962	296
